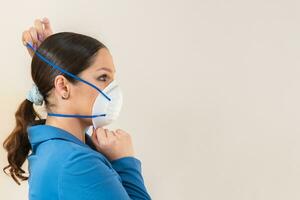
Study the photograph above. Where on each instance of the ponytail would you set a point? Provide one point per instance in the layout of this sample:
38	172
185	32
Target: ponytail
17	143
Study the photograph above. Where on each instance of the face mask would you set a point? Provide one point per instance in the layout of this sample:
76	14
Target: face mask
107	105
110	108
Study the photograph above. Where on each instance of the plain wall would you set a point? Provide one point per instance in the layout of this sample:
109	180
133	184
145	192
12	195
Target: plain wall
211	90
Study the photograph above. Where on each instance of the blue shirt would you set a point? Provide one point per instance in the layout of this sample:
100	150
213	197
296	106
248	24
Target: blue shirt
62	167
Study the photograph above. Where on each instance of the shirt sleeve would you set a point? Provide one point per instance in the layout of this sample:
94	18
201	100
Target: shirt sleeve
130	171
86	176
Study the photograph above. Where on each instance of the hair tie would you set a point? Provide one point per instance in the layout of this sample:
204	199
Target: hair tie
35	96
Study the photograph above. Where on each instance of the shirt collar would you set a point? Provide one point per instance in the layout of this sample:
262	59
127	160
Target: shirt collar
41	133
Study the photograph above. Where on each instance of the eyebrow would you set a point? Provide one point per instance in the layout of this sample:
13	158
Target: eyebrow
105	68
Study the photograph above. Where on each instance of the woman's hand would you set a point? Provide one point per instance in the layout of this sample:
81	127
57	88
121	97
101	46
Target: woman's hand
113	144
36	34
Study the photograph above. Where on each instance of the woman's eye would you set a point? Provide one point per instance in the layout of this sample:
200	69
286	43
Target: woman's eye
102	77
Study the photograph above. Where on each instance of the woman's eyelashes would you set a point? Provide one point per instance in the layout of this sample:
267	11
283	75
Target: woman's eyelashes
103	77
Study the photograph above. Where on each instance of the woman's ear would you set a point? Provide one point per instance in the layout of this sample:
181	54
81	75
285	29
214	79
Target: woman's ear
62	86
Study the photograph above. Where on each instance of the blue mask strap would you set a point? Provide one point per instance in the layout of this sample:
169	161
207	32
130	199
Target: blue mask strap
66	72
76	116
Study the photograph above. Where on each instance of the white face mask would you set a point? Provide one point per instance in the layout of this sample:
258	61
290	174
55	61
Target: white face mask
111	108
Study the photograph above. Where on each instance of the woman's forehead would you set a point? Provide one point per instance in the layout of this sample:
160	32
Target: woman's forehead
103	61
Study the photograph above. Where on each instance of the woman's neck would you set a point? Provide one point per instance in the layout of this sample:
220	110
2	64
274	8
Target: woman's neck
71	125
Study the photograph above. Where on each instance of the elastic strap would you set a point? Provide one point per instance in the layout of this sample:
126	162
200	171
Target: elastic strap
76	116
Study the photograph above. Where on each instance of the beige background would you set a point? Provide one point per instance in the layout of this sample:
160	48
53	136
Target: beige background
211	89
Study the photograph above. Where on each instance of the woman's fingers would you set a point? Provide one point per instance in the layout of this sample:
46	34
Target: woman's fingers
120	132
114	144
111	137
48	29
105	137
94	134
106	133
101	136
34	37
94	137
115	134
39	28
37	34
108	136
26	38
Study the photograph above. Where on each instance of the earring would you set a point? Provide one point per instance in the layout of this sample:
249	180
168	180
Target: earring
64	96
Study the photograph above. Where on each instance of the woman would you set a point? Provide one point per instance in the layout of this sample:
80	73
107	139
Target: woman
74	79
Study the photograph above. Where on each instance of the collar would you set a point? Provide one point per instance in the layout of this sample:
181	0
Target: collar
41	133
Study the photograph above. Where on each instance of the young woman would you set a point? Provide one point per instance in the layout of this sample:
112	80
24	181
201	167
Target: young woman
74	78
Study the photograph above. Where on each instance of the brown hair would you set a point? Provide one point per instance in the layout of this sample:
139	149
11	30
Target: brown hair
71	51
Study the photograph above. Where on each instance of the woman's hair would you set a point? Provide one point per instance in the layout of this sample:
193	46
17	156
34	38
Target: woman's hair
71	51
